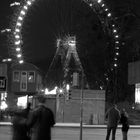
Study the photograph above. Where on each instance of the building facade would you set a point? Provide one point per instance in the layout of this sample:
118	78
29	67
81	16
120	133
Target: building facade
25	81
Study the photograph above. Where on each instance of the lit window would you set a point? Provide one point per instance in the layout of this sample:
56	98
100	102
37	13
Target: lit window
31	76
16	76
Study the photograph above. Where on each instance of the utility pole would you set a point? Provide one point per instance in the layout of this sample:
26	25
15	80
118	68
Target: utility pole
81	107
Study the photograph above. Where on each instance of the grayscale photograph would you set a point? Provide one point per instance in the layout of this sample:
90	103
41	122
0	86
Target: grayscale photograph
69	70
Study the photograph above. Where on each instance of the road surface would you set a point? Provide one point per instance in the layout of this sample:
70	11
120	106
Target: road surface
72	133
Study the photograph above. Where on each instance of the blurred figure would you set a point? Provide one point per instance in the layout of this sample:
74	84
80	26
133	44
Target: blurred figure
27	110
19	126
125	123
26	113
113	117
41	120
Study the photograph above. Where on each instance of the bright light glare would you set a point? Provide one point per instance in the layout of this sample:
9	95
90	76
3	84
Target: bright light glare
17	30
106	9
18	24
67	87
52	92
71	43
20	18
18	55
22	12
115	65
18	49
103	5
114	30
9	59
17	42
61	90
22	102
14	4
3	105
90	4
21	61
29	2
17	36
25	7
109	14
137	93
99	1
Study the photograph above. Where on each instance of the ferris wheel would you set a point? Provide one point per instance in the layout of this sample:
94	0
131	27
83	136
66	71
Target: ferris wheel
32	8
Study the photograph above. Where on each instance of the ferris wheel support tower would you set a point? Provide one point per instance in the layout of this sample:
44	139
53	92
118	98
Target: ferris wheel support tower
66	50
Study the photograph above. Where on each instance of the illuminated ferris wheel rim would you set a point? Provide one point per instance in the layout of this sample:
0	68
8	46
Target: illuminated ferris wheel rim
28	3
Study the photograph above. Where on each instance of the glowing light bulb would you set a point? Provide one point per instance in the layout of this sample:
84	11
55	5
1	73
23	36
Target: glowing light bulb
20	18
18	55
21	61
25	7
115	65
17	36
114	31
22	12
117	42
17	42
17	30
18	24
18	49
29	2
106	9
99	1
90	4
109	14
103	5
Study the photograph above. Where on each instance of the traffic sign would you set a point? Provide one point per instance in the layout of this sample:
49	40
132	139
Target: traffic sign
2	83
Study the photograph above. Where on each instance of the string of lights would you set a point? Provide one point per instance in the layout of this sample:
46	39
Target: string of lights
107	20
98	6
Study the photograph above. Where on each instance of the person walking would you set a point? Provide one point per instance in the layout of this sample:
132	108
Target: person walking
40	121
113	117
125	123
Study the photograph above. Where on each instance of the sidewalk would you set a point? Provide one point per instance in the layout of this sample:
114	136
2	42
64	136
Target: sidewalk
76	125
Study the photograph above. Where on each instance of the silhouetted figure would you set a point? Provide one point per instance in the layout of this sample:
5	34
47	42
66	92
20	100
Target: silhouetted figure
125	124
27	110
20	131
40	121
26	113
113	117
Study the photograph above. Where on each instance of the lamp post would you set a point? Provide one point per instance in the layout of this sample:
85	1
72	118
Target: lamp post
81	107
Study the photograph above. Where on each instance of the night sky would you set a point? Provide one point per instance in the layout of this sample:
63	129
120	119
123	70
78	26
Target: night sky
48	20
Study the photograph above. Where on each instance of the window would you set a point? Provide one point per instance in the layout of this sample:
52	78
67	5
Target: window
23	82
2	83
31	76
16	76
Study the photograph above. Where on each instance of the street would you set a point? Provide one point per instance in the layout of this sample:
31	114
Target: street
72	133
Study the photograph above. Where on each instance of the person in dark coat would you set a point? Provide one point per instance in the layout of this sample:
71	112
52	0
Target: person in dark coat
27	110
125	124
113	117
19	126
40	121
